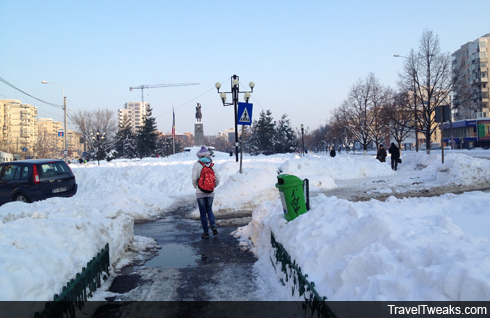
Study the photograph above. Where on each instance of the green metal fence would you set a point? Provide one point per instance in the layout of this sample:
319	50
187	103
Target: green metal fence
313	304
74	294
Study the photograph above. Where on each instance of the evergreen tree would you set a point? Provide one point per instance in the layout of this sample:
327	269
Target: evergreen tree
161	146
285	139
263	132
126	143
147	136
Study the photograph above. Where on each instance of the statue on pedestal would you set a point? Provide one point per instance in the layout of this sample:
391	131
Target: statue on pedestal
198	112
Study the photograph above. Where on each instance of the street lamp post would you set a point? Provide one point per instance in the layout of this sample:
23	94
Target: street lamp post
235	90
414	110
97	137
303	138
65	127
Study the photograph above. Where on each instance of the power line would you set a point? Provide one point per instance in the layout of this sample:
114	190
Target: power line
38	110
43	111
18	89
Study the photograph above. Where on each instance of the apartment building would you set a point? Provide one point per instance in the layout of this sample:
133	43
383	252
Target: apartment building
76	144
5	130
135	112
472	61
50	141
229	134
19	127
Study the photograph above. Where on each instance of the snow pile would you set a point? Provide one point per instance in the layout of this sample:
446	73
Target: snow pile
45	244
462	169
321	170
408	249
457	169
141	190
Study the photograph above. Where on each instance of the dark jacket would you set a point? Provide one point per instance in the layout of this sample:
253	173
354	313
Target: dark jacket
395	152
332	153
381	155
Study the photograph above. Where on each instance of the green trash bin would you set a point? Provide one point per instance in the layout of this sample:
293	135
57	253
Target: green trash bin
292	195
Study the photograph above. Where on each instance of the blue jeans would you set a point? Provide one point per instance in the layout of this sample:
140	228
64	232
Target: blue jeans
206	210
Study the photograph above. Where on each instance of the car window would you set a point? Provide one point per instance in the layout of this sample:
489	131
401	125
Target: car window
17	174
8	172
51	169
24	172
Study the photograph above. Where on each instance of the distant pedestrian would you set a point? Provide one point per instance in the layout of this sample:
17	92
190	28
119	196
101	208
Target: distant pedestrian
340	148
381	155
332	152
204	182
80	160
395	155
231	153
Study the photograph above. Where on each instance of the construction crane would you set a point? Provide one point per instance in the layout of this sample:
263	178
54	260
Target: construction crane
142	87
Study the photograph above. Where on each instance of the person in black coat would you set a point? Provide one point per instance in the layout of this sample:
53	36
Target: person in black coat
332	152
381	155
395	155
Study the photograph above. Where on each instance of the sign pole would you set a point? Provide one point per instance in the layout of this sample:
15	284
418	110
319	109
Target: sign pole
241	150
442	139
244	118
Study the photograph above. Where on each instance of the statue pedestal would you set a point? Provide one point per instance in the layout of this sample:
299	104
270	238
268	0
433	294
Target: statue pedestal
198	134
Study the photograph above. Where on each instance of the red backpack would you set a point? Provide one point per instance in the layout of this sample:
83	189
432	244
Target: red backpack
206	182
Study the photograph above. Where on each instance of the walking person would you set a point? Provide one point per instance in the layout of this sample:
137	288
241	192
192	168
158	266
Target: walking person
395	155
332	151
381	155
204	180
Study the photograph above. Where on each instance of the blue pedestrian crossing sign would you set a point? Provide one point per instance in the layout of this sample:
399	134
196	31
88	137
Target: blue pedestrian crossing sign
244	114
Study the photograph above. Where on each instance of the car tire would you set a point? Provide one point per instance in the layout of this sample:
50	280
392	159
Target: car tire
21	198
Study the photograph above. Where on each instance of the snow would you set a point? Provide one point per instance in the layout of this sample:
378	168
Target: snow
428	248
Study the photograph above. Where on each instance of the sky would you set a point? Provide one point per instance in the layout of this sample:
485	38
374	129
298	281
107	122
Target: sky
428	248
302	56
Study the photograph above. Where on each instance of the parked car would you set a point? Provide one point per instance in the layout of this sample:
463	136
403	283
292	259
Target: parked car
34	180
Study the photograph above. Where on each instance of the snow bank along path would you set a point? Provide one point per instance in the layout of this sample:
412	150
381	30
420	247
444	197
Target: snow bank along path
44	244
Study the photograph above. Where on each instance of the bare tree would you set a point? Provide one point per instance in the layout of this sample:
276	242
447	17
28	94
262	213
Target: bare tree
90	122
47	146
380	100
360	108
340	125
429	75
400	116
318	138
